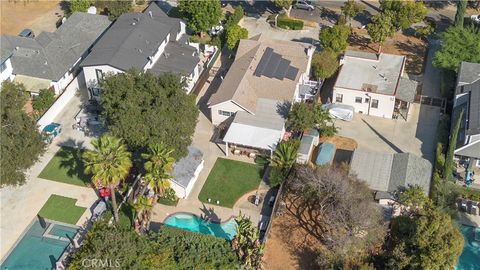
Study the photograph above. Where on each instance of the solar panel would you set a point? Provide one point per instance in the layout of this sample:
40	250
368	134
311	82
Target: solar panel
282	69
263	61
272	65
291	73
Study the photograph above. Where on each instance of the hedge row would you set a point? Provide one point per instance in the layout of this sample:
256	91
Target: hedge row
288	23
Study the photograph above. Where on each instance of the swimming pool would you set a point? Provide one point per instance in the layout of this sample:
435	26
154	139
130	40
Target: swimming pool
35	251
470	258
192	223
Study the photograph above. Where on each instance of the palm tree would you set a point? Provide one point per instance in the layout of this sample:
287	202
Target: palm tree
142	206
158	165
109	163
286	154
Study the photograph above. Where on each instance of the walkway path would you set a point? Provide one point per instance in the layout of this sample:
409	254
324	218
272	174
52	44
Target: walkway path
19	205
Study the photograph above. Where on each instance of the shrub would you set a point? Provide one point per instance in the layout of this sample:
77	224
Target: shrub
44	100
288	23
470	194
324	64
235	17
234	34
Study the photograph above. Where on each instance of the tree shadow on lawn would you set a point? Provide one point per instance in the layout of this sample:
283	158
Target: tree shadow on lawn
71	160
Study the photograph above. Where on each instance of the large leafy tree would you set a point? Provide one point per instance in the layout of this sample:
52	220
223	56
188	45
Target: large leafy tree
324	64
79	5
405	13
45	99
351	9
109	164
335	38
284	4
429	239
200	15
304	115
381	28
118	7
21	143
458	44
336	209
143	109
460	15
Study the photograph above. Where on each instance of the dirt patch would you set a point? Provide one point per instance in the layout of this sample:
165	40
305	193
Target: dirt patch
341	142
414	48
40	15
289	244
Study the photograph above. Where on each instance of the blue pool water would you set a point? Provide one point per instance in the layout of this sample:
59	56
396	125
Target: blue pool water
470	258
192	223
34	251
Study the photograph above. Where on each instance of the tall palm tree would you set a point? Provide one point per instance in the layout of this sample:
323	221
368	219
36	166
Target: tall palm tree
109	163
285	155
158	165
142	206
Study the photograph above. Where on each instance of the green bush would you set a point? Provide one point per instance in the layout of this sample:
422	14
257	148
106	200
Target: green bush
288	23
470	194
45	99
235	17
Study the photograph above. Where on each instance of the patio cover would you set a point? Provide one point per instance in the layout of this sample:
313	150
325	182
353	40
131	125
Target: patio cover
32	84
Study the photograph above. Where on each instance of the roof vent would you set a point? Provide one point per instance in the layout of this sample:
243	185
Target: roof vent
150	13
167	55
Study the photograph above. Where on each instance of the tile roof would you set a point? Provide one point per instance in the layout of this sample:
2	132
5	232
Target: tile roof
51	55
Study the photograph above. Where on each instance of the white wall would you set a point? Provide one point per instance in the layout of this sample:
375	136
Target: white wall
182	192
157	54
61	84
228	106
91	75
386	103
7	73
59	104
182	30
192	79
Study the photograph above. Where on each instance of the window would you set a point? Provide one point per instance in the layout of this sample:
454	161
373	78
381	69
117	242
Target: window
358	100
95	92
339	98
3	67
99	74
375	103
367	100
225	113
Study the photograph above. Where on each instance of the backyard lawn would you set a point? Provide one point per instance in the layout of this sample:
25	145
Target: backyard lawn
66	167
62	209
229	180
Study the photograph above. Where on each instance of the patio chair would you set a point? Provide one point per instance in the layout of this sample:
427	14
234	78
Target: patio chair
463	205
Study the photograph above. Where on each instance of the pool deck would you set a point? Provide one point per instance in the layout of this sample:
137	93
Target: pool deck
21	204
469	220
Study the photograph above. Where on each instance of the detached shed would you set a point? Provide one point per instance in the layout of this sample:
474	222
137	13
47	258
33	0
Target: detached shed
309	141
186	171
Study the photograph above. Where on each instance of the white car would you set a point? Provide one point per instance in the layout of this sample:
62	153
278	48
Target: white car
304	4
475	18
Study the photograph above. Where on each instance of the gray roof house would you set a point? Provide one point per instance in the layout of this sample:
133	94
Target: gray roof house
53	56
374	84
145	41
467	99
186	171
389	173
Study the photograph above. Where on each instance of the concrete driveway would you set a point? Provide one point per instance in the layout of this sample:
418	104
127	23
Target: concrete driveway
416	136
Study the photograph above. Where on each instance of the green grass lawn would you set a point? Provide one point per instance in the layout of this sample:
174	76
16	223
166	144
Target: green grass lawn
62	209
229	180
66	167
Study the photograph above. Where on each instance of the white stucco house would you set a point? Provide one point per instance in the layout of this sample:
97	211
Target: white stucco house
256	93
145	41
374	84
51	59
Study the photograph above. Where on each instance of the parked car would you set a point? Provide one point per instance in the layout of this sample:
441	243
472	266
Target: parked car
304	4
475	18
51	131
28	33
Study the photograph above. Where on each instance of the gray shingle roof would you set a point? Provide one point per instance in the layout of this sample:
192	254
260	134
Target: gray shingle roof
469	150
407	89
391	172
51	55
473	89
184	169
178	58
133	38
468	73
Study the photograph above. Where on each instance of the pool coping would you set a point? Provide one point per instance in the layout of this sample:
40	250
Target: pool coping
36	218
190	213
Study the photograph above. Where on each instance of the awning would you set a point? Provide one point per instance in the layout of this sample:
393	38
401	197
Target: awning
32	84
252	136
